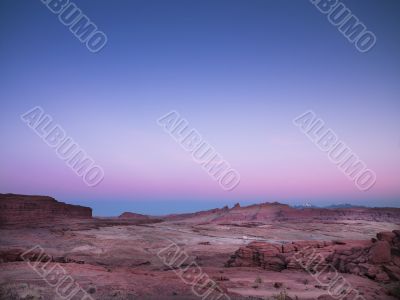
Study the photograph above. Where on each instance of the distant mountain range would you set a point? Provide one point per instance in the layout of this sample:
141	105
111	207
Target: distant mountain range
22	209
341	205
276	212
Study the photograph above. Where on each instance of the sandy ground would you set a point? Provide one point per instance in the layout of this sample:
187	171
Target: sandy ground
121	262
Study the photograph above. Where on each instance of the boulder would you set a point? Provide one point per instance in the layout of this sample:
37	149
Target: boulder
380	253
372	272
386	236
392	271
382	277
287	248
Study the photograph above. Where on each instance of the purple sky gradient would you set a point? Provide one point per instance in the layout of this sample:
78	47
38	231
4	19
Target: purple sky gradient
238	71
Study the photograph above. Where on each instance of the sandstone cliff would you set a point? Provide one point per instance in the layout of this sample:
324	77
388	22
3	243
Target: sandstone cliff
30	210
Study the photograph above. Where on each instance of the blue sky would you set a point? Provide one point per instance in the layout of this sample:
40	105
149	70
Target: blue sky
238	71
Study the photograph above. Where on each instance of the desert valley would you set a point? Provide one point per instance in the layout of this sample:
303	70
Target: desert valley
262	251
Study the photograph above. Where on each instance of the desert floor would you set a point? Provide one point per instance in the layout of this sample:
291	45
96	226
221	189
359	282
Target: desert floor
122	261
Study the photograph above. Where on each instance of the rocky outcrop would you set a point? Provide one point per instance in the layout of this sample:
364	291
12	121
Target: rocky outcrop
29	210
277	212
133	216
378	259
275	257
200	215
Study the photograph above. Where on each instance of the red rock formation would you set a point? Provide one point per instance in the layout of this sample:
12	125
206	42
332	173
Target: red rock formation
210	214
378	260
135	216
277	212
29	210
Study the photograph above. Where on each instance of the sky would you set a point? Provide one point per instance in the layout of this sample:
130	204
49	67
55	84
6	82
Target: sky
238	71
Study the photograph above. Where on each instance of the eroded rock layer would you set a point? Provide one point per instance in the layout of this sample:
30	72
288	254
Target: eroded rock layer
377	259
28	210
